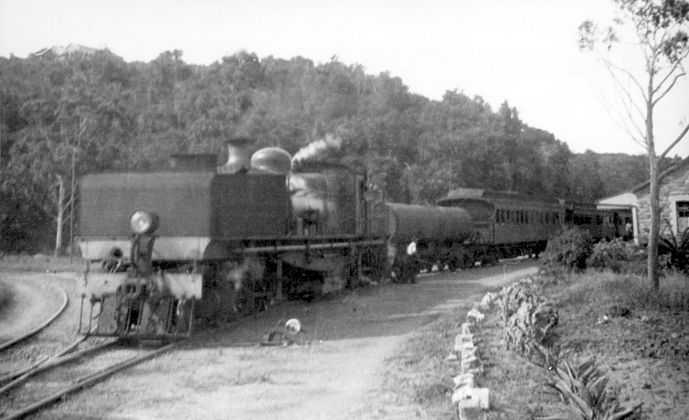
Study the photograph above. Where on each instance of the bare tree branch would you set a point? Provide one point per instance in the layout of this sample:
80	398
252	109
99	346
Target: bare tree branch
610	66
623	90
676	65
624	123
681	135
668	89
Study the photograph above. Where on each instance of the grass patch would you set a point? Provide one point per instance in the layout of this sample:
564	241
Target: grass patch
420	373
616	314
636	335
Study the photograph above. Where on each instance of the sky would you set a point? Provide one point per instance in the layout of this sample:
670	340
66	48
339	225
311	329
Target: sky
524	52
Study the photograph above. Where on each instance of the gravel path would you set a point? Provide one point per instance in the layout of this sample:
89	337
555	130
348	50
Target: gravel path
335	371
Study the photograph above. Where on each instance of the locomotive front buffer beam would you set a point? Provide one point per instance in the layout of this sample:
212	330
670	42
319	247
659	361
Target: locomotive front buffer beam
159	305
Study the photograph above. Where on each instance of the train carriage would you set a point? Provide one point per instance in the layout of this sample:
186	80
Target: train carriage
600	223
512	224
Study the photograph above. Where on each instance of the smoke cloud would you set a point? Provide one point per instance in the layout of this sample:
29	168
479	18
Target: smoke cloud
317	147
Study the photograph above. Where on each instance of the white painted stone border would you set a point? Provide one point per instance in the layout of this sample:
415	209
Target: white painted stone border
471	402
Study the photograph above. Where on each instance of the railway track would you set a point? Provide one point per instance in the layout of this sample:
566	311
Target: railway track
42	326
74	369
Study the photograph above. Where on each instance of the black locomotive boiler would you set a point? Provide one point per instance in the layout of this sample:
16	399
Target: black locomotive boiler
199	242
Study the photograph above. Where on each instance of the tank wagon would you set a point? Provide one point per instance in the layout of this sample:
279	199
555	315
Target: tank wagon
200	242
419	236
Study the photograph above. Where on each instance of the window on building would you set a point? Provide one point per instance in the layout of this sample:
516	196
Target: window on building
682	216
683	209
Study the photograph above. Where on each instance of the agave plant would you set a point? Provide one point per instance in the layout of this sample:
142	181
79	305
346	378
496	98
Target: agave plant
677	247
585	389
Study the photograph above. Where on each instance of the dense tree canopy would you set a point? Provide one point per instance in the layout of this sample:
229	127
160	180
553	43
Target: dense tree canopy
97	112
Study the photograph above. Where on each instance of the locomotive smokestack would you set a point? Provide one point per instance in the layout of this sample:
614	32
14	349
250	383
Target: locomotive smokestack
237	155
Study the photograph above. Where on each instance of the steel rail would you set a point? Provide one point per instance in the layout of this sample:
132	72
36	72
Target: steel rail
89	380
16	340
42	360
55	361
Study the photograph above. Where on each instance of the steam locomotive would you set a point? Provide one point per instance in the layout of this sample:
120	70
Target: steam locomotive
197	242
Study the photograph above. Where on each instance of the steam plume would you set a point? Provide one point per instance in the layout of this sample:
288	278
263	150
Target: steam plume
317	147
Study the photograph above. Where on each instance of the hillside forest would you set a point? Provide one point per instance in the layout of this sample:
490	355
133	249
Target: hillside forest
62	116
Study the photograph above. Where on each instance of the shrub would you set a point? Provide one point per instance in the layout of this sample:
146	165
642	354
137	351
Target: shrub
614	255
568	250
528	318
677	248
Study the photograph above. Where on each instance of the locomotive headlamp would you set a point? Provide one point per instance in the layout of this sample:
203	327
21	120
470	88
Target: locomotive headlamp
143	222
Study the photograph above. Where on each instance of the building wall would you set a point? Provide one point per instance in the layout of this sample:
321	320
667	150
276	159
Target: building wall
673	187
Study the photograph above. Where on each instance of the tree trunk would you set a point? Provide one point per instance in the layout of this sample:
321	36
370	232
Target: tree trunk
652	262
655	223
60	214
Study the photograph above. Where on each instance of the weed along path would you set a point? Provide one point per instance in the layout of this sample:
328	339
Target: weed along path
334	370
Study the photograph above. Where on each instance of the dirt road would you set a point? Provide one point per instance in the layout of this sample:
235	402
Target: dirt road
333	373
